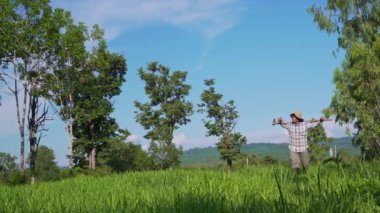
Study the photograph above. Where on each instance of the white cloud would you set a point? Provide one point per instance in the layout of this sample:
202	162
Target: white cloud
335	130
209	18
180	139
271	135
133	138
204	55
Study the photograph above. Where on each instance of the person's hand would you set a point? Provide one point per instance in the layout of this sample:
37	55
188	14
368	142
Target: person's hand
321	119
280	120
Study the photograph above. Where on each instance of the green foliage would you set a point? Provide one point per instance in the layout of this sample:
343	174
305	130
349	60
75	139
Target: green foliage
101	80
7	162
46	167
272	188
250	159
165	155
30	38
348	158
269	160
15	178
165	112
357	83
122	157
8	166
221	123
47	52
318	143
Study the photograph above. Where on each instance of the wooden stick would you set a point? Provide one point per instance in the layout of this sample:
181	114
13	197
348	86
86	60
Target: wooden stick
275	122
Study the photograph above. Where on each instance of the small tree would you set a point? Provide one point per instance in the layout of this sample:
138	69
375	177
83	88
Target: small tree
318	143
46	167
122	157
166	111
7	166
221	123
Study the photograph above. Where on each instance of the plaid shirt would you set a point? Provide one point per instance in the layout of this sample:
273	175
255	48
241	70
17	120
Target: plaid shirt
298	135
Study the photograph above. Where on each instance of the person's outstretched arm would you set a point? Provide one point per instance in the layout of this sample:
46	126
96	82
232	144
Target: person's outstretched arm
311	124
283	125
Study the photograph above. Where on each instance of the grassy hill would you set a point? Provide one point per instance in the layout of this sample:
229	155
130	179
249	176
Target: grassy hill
209	157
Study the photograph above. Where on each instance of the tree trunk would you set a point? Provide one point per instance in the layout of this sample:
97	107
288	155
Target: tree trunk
93	155
91	159
22	151
69	131
33	150
21	117
71	134
229	166
32	136
71	137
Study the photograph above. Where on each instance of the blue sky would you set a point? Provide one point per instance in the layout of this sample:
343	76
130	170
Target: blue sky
268	56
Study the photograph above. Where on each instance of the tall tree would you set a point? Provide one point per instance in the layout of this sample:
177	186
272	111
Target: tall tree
357	83
67	78
221	122
102	77
166	111
30	34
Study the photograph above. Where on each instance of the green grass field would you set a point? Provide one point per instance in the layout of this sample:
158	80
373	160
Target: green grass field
325	188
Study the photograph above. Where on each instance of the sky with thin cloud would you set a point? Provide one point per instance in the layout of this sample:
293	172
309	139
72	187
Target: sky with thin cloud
266	55
208	18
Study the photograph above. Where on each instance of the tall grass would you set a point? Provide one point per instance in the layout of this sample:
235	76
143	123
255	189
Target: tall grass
326	188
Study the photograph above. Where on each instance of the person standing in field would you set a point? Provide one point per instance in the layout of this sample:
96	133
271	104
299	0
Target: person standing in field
298	146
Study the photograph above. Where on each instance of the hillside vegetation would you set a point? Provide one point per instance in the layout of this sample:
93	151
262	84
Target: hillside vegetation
209	157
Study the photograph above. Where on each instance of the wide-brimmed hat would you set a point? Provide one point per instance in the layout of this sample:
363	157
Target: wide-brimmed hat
298	115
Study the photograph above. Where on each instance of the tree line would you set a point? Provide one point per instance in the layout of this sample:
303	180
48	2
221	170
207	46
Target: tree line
47	66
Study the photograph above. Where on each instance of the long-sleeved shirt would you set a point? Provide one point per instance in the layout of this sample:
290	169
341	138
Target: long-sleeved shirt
298	135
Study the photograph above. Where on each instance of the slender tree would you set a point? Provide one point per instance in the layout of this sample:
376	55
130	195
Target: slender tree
67	78
221	121
30	34
357	83
166	111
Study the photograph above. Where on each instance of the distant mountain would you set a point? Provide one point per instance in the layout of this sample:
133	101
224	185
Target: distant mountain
209	157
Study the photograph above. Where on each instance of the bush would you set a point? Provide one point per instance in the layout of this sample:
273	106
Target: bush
46	167
15	178
269	160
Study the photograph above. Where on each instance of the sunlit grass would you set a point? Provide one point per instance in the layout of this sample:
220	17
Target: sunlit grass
326	188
